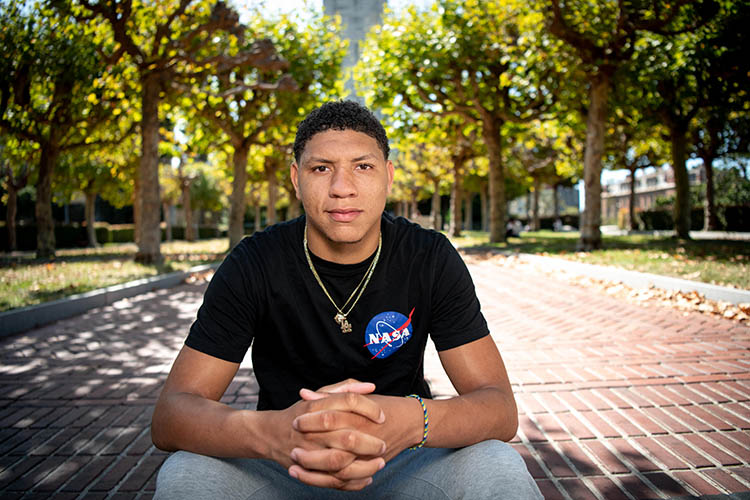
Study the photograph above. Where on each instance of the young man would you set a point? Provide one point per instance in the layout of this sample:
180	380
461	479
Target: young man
338	305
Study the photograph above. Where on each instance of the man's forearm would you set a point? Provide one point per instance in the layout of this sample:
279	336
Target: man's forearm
184	421
487	413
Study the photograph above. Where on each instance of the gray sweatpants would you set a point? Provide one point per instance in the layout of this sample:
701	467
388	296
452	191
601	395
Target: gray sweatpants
487	470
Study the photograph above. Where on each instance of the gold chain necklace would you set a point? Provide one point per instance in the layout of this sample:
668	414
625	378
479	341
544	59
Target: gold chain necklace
340	317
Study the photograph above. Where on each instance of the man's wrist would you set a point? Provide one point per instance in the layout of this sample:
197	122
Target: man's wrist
424	421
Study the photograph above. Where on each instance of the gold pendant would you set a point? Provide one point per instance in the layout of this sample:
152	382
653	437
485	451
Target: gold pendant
346	327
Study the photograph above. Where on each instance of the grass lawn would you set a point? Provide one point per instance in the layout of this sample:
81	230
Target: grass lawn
720	262
25	281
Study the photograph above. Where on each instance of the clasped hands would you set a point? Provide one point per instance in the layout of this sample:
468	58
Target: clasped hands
331	440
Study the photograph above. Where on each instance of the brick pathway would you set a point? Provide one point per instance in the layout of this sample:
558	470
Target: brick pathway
616	400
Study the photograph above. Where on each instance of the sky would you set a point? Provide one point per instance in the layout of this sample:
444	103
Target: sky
288	6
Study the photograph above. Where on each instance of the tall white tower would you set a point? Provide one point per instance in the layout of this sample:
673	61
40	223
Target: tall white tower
357	17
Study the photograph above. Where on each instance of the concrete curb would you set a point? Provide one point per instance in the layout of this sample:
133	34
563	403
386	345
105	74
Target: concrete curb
641	280
25	318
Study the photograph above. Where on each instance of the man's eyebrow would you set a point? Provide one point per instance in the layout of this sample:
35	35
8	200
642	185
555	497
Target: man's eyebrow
316	159
363	157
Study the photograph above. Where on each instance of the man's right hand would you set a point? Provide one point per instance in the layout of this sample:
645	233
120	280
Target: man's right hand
341	456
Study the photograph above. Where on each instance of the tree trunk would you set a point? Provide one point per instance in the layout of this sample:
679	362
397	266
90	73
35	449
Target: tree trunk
678	136
493	140
631	202
435	207
710	219
270	167
237	198
483	200
167	208
256	221
556	200
136	209
454	227
591	236
535	225
187	208
293	210
468	212
413	209
45	226
149	244
91	219
10	216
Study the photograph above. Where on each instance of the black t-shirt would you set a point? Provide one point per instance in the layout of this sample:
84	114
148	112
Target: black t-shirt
264	293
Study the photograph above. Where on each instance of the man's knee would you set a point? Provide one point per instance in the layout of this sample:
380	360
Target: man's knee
186	475
494	466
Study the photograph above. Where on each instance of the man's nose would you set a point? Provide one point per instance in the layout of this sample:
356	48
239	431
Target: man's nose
342	183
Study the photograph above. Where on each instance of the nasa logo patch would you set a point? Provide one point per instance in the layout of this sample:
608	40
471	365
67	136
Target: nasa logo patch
387	332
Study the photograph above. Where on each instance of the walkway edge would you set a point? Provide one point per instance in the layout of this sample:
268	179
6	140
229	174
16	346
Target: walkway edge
25	318
641	280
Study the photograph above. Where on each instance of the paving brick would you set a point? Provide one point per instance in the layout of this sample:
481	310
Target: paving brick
578	457
729	417
724	440
532	465
721	457
36	475
627	426
577	489
530	430
741	437
663	416
709	393
88	473
726	480
685	451
15	468
697	482
666	484
599	425
575	426
61	474
573	401
660	454
138	478
702	413
553	460
109	479
118	445
33	438
551	427
603	455
608	488
549	490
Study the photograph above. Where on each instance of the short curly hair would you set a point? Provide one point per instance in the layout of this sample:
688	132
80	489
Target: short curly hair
340	115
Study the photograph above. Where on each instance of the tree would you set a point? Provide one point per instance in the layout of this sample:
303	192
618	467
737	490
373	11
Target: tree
169	46
54	92
604	35
250	106
722	125
486	61
634	138
15	160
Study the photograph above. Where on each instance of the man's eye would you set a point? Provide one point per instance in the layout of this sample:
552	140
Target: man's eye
364	166
319	168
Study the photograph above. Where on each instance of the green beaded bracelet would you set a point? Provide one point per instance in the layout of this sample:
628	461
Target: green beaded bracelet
426	421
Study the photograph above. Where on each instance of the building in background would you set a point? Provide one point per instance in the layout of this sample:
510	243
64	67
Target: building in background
658	183
567	203
357	17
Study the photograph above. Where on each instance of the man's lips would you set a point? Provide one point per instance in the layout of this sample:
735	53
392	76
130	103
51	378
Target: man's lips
343	214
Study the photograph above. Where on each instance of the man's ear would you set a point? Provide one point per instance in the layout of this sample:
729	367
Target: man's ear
293	173
391	173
